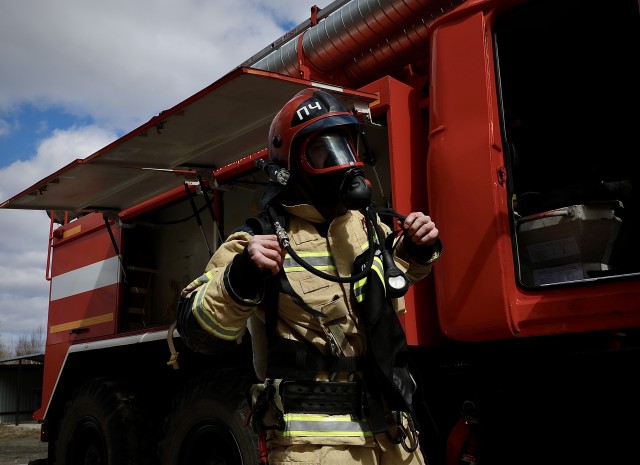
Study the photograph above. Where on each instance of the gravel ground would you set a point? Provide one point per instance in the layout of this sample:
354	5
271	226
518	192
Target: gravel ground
19	444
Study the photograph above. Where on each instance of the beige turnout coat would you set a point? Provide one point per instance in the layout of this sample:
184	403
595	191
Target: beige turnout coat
226	318
220	311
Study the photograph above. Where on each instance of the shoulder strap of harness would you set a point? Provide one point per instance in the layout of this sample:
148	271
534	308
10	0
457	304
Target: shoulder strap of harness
298	360
287	358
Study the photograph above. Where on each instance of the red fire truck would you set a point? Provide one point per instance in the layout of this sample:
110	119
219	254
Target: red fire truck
512	122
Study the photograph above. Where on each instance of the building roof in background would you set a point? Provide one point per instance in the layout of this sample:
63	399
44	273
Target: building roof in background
39	357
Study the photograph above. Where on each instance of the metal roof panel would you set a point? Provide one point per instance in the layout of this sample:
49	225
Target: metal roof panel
222	123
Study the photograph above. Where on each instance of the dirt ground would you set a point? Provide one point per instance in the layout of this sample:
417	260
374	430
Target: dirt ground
19	444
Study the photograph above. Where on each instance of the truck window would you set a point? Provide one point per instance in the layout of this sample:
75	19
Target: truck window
568	80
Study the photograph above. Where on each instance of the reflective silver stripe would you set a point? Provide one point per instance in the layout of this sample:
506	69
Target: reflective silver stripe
378	267
208	322
359	288
308	424
87	278
205	278
318	260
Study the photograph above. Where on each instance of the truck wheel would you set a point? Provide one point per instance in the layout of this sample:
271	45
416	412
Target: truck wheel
99	427
206	425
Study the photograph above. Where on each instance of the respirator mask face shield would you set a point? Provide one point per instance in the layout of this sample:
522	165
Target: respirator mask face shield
333	174
328	152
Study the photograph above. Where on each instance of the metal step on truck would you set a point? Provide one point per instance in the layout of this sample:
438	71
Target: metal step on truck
513	123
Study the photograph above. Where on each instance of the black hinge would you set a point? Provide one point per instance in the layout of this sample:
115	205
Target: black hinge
83	329
502	175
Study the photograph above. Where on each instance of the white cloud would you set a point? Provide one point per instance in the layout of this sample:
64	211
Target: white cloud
24	289
54	152
119	63
123	62
5	127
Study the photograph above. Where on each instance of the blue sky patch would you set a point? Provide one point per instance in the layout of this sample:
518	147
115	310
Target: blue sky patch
23	128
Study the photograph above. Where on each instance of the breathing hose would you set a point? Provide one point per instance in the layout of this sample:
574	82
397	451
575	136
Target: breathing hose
395	280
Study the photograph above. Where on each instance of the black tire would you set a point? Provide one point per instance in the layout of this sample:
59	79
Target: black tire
101	425
206	425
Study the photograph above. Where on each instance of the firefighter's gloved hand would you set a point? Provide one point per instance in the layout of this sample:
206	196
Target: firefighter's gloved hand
420	228
266	253
421	237
262	258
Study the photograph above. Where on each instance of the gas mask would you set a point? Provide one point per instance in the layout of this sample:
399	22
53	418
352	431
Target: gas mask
331	176
355	192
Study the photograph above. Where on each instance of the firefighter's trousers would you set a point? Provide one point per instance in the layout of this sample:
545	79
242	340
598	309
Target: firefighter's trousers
381	451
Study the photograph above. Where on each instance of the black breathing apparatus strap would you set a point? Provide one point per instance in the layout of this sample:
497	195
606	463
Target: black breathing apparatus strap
387	379
386	245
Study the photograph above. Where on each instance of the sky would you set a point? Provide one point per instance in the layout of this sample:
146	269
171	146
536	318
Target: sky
76	75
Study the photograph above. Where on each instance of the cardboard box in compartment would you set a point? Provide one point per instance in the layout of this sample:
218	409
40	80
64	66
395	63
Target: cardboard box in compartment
567	244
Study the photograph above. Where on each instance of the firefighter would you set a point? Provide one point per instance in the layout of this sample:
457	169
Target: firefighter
336	388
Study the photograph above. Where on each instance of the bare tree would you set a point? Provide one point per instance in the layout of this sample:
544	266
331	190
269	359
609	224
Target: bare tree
4	352
32	343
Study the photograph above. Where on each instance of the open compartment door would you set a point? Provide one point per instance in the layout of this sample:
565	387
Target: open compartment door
215	127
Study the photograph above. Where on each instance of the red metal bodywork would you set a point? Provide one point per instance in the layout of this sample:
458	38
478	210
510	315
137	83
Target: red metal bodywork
482	302
454	151
425	69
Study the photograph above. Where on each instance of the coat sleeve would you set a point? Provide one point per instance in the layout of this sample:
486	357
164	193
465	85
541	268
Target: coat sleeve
416	261
217	308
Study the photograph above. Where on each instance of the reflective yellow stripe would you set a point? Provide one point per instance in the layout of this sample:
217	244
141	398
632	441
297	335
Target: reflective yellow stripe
318	260
308	424
95	320
205	278
207	320
71	232
359	288
378	267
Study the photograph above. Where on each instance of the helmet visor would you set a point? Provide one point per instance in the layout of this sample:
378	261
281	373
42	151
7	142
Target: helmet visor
329	151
